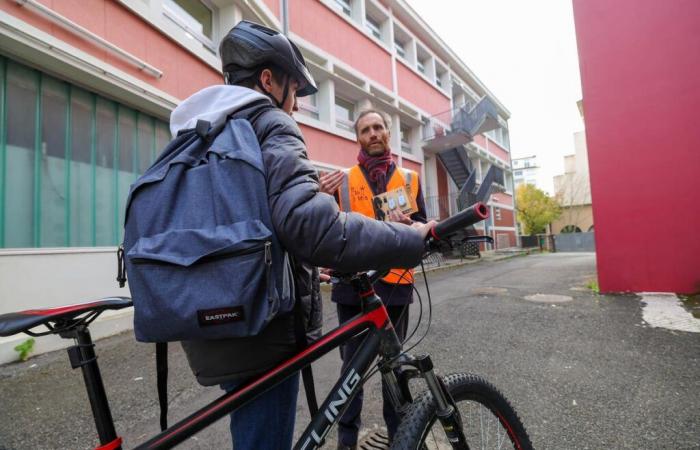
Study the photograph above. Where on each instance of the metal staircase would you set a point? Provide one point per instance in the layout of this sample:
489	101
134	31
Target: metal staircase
465	124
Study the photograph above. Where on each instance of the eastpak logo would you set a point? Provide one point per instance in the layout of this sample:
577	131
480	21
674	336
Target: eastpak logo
220	316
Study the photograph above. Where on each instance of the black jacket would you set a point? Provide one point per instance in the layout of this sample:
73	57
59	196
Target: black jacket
313	230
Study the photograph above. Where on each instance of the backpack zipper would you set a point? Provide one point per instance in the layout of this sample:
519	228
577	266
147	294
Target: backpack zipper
267	247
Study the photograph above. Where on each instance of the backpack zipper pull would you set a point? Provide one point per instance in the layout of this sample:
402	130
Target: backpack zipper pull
121	270
268	253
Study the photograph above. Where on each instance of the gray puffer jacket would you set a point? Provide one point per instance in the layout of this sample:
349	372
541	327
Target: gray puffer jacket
313	230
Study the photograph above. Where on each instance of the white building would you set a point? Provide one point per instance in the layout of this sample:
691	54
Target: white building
525	171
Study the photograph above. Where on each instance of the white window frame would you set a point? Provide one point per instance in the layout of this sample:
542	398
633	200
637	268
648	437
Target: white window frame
400	49
341	123
344	6
177	18
405	138
374	26
309	108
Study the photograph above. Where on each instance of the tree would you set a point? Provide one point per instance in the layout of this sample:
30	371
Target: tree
535	209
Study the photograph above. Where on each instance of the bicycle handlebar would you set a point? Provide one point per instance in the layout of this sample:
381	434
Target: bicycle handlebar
475	213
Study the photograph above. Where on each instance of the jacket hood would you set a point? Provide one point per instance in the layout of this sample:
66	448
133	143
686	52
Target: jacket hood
213	104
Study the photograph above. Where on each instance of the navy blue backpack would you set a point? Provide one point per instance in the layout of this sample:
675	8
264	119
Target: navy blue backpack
200	252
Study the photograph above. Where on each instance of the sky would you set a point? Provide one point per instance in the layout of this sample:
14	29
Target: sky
524	51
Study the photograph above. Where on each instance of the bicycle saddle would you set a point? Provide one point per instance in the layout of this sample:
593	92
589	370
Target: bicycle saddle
18	322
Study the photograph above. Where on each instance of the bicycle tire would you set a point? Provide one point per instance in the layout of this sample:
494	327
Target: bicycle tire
419	429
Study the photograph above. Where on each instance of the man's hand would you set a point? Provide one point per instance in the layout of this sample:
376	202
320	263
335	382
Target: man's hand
395	215
324	275
424	228
330	182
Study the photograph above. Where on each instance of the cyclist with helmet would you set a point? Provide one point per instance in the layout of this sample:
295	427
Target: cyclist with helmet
264	73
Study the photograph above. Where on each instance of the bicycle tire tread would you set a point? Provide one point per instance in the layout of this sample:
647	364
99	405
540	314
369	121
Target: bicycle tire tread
410	434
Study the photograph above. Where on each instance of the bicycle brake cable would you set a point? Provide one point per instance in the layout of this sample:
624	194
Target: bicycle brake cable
375	369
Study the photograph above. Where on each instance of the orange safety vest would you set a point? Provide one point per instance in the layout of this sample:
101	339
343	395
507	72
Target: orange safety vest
356	196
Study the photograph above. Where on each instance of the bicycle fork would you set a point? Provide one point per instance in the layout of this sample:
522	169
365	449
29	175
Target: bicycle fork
446	408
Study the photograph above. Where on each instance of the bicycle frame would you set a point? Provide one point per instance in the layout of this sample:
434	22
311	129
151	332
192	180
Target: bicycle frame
374	319
380	341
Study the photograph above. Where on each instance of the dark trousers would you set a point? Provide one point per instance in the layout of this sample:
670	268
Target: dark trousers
350	422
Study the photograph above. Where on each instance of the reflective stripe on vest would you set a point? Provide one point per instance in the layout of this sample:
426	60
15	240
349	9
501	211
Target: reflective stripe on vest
356	196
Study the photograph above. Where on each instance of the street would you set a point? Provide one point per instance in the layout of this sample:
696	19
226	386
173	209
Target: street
583	371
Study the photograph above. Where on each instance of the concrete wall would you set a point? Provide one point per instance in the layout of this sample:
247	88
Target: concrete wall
580	216
639	70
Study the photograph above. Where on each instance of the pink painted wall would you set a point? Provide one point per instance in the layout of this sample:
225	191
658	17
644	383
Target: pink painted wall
274	6
492	147
639	62
419	92
316	23
108	19
328	147
506	200
411	165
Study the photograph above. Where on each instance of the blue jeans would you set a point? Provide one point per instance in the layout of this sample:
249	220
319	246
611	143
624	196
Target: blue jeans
267	422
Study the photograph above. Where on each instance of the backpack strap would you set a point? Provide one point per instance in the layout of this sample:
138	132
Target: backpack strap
307	374
162	381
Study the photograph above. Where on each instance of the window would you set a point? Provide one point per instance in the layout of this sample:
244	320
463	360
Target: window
194	16
308	106
344	5
518	173
421	66
527	164
405	138
344	114
497	213
438	81
78	150
374	27
400	49
570	229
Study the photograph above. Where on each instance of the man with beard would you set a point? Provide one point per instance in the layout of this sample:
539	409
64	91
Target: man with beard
356	191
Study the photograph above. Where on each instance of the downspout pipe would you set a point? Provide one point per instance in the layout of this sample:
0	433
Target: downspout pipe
285	17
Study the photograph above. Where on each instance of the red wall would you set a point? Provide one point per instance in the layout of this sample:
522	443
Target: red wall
322	27
417	167
419	92
108	19
639	62
274	6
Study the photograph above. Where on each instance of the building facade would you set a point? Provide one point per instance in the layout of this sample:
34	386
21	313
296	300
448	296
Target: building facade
641	94
87	89
526	171
572	189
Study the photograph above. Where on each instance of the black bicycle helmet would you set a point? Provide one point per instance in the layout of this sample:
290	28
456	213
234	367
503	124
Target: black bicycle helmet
250	45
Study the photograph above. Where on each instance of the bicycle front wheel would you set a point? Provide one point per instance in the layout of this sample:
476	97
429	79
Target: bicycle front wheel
488	419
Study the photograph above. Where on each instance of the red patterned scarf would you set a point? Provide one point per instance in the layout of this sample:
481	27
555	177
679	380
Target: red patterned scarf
377	167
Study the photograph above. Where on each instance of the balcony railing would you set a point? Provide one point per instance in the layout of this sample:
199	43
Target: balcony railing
439	206
464	124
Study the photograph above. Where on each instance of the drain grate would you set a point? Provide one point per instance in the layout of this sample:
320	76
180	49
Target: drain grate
376	440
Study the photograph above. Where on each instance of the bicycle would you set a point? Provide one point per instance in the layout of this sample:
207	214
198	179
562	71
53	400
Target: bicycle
433	420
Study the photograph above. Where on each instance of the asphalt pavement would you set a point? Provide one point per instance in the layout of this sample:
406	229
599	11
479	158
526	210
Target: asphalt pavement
583	371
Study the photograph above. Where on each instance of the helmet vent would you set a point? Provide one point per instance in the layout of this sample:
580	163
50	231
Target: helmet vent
265	30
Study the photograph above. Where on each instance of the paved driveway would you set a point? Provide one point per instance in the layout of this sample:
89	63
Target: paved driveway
587	373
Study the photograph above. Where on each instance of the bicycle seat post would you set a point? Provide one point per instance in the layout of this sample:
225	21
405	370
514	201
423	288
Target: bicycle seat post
83	355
